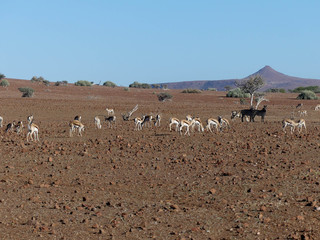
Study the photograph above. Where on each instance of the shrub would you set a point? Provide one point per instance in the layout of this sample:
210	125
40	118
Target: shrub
164	96
307	94
46	82
63	83
237	93
276	90
37	79
212	89
315	89
139	85
26	91
126	89
83	83
109	84
190	90
4	83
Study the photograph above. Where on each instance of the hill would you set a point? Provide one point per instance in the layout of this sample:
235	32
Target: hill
273	78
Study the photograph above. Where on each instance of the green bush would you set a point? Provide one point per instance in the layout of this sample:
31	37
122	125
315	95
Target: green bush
212	89
276	90
26	91
46	82
4	83
83	83
126	89
237	93
109	84
164	96
307	94
139	85
190	90
315	89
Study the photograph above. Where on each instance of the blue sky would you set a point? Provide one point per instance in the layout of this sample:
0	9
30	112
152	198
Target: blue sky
157	41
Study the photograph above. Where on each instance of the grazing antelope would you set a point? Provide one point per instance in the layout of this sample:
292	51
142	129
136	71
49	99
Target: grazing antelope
292	124
78	118
138	123
187	124
157	120
33	129
174	121
317	108
110	111
197	122
110	120
97	122
212	122
76	124
10	126
147	119
223	123
1	121
302	113
19	127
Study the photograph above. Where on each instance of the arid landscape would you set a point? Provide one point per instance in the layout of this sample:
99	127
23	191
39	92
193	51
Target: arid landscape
252	181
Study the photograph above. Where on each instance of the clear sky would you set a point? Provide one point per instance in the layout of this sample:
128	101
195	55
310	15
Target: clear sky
153	41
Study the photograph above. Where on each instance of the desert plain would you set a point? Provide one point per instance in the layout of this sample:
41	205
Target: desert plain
252	181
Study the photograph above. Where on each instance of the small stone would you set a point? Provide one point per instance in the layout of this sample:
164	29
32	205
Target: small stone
300	218
212	191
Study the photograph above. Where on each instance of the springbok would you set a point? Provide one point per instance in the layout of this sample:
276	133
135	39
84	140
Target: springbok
76	124
97	122
213	122
174	121
292	124
33	129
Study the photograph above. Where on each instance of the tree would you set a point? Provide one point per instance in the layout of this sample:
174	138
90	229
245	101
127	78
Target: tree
227	88
250	85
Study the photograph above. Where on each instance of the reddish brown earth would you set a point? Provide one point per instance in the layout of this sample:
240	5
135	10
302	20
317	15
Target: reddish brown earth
250	182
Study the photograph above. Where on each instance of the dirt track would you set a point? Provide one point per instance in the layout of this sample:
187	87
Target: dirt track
250	182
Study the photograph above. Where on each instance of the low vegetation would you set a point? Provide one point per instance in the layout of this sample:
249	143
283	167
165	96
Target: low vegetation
4	83
61	83
83	83
237	93
307	95
26	91
109	84
164	96
275	90
139	85
190	90
315	89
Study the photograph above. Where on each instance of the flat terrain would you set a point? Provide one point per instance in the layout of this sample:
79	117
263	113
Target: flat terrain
252	181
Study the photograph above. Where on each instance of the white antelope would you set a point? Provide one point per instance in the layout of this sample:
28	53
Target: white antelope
224	123
302	113
187	124
213	122
292	124
1	121
76	124
317	108
174	121
138	123
33	129
157	120
97	122
197	123
110	111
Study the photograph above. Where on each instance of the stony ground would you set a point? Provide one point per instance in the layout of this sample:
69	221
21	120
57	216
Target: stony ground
252	181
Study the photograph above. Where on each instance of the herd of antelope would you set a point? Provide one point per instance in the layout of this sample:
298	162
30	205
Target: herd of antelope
185	125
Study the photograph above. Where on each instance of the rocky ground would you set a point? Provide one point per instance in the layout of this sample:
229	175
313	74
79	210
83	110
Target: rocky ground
252	181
